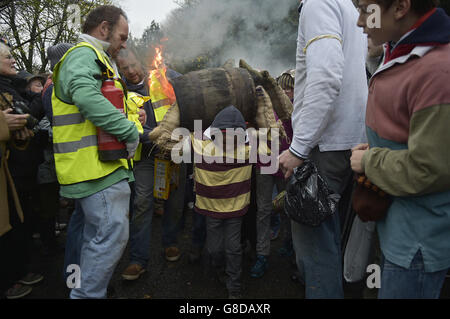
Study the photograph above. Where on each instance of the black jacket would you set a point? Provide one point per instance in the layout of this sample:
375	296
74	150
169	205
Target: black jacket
23	163
150	124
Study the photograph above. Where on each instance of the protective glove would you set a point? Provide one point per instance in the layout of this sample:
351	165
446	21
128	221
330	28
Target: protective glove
131	148
280	101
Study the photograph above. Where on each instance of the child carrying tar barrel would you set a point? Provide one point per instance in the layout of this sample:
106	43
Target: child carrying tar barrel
222	184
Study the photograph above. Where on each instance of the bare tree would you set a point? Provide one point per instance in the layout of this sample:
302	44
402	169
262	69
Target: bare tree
34	25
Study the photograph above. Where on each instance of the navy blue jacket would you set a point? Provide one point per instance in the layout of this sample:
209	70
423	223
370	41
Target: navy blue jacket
150	124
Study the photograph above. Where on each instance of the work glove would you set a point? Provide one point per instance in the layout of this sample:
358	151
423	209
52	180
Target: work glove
265	118
280	101
131	148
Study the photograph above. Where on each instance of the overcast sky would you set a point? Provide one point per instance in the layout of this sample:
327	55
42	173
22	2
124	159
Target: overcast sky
141	13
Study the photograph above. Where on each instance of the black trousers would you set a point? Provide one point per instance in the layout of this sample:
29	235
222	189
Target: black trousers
14	249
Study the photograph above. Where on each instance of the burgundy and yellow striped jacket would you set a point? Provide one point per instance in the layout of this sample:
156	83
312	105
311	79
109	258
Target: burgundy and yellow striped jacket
222	189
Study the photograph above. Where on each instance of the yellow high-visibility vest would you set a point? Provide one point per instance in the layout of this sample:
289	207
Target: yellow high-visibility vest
160	101
75	138
135	102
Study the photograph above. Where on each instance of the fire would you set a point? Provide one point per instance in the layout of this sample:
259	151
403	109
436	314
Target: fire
159	73
158	60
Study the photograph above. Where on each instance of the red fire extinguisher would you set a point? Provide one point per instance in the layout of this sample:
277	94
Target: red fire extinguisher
109	148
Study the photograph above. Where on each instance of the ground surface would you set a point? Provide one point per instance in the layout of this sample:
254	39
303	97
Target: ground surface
183	280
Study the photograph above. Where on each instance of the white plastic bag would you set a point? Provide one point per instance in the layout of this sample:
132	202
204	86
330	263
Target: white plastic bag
359	250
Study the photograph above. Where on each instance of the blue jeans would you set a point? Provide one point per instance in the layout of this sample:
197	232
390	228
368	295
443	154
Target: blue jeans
410	283
143	208
318	249
173	211
73	239
97	236
318	257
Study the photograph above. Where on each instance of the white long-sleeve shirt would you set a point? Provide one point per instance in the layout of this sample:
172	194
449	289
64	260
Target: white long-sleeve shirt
330	81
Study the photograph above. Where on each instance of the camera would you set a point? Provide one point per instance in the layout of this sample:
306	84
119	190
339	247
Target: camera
20	107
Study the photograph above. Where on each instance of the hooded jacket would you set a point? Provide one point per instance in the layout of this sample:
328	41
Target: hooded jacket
222	187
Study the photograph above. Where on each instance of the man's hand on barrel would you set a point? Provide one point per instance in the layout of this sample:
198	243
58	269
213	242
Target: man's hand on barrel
288	162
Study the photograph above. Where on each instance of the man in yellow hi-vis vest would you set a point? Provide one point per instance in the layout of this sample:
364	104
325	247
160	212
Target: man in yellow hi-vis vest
143	205
98	230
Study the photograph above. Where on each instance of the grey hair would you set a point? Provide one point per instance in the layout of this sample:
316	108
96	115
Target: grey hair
4	49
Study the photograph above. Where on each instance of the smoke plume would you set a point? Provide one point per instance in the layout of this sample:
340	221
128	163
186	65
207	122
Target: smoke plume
262	32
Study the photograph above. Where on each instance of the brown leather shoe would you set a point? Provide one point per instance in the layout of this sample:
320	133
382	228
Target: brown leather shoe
172	253
133	272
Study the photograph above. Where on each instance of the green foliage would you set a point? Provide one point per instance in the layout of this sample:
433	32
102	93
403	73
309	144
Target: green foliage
144	47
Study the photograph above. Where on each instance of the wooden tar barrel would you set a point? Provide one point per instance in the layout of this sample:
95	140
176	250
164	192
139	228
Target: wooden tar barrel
201	95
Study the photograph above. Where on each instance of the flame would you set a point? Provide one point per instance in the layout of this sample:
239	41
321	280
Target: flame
159	73
158	61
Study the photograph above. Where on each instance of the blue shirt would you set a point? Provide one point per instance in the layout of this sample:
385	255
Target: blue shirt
415	223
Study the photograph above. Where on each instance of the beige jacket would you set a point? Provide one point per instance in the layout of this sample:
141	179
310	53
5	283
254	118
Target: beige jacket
5	179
